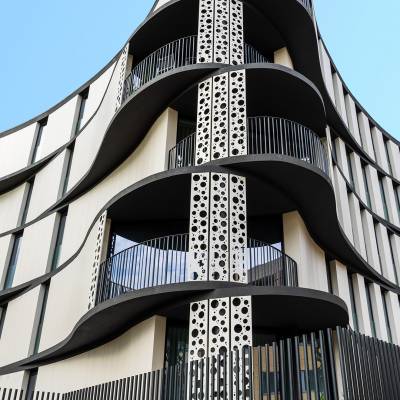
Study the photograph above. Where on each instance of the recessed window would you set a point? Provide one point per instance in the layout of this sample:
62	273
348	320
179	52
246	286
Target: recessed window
59	240
27	200
376	227
386	145
3	312
351	176
31	383
353	301
390	236
370	310
69	154
364	173
328	274
43	306
396	189
12	265
82	105
37	146
383	197
387	321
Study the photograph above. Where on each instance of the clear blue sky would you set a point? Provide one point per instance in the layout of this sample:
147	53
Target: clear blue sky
50	47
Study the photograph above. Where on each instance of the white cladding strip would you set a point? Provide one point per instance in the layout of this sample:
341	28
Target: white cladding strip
122	73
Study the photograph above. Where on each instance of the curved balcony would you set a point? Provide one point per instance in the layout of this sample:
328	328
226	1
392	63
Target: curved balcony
307	4
179	53
165	261
266	135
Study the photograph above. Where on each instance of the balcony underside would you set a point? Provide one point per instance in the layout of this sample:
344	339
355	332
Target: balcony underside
305	310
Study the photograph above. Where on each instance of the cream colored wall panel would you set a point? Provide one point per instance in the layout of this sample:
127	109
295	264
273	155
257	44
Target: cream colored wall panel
356	223
370	240
394	156
12	381
96	92
365	132
10	208
379	146
358	177
384	252
15	150
18	327
379	312
391	200
342	157
393	307
140	349
374	190
352	118
147	159
340	285
329	149
309	257
88	143
69	292
34	252
360	298
395	241
326	70
46	187
282	57
4	246
58	130
339	97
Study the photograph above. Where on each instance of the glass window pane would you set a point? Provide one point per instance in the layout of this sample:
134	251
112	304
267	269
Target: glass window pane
13	261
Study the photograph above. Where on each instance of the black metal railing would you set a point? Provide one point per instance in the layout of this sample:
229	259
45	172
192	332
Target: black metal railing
178	53
268	266
265	135
272	135
165	260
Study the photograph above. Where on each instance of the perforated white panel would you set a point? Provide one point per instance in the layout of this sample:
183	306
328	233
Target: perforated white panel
219	325
97	260
122	72
203	130
219	226
238	228
241	325
199	227
237	113
198	330
220	32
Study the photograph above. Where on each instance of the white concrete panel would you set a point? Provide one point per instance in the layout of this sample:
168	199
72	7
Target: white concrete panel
339	97
395	241
96	92
391	200
329	144
394	157
59	128
342	157
358	177
384	252
370	240
88	143
365	132
147	159
326	70
356	223
17	328
34	251
12	381
352	118
360	297
10	208
379	146
393	307
46	187
309	256
340	285
374	190
4	247
378	310
15	149
140	349
282	57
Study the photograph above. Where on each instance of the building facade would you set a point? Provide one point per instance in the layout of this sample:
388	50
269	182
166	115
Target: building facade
213	215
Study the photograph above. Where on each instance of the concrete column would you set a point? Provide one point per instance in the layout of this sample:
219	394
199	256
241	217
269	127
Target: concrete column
356	222
352	118
360	295
282	57
339	97
171	123
329	150
379	146
365	132
340	285
374	190
309	256
393	307
384	252
378	310
370	240
326	70
391	200
395	242
394	156
342	157
358	177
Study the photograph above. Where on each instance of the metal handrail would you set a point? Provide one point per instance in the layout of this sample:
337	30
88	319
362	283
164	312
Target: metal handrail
178	53
266	135
273	135
164	260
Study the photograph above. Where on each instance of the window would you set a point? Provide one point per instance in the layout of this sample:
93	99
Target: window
382	190
351	176
385	309
13	261
377	245
3	311
364	172
43	305
58	245
36	155
397	197
31	384
82	105
334	149
353	301
68	155
328	274
176	343
386	144
390	236
27	201
370	311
